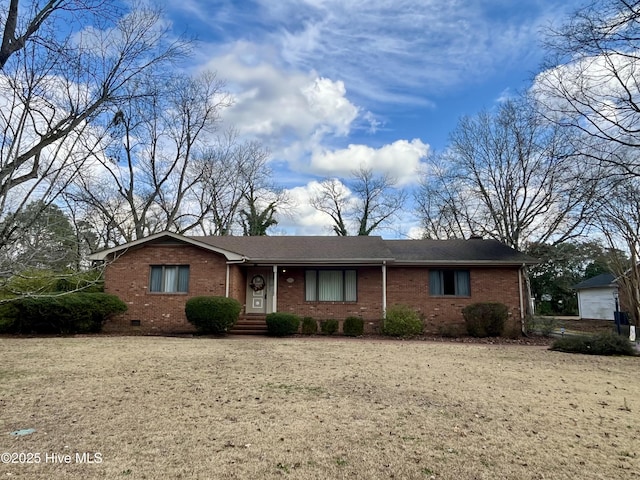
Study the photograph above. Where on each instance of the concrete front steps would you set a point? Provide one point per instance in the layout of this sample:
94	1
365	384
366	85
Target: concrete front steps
250	325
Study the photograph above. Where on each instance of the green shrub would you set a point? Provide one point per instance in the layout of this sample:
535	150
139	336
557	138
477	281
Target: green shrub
452	330
88	282
547	325
402	321
485	319
309	326
8	317
31	281
601	344
329	327
353	326
42	282
282	324
212	315
66	314
544	309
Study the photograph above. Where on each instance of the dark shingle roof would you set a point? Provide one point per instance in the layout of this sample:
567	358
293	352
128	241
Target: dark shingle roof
344	249
452	251
304	248
599	281
340	250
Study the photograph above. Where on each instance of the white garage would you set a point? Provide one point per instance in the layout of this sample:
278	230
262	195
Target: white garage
596	297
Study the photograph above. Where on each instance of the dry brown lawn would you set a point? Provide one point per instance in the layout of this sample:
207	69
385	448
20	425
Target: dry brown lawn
250	408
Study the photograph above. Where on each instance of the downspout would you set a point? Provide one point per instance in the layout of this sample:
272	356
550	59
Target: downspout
384	289
523	327
274	305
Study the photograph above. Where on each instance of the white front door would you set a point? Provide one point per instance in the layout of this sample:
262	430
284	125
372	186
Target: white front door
259	290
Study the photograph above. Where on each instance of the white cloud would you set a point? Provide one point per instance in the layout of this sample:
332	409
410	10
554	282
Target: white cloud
401	159
270	101
299	115
303	219
403	51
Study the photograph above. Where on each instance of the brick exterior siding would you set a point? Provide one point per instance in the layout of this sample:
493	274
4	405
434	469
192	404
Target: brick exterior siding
291	298
128	277
443	314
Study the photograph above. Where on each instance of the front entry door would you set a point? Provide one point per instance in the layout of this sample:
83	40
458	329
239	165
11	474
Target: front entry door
259	290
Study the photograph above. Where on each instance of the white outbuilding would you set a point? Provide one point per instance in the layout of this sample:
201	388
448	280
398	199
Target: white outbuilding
597	297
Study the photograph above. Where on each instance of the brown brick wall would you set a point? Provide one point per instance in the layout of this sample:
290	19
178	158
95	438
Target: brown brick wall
291	297
128	278
411	286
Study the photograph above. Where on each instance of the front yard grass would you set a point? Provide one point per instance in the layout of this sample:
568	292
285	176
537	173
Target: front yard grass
307	408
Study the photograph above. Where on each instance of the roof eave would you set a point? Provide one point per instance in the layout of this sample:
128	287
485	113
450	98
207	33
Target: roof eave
103	254
489	263
318	261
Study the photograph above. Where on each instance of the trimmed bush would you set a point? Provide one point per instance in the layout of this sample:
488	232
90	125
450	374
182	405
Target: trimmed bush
608	343
282	324
329	327
353	327
402	321
309	326
212	315
485	319
65	314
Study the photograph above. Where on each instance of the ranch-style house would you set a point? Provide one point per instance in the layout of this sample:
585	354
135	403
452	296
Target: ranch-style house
316	276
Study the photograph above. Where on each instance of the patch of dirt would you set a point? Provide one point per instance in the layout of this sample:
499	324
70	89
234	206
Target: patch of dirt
586	326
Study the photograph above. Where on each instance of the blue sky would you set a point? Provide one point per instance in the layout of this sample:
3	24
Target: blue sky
331	85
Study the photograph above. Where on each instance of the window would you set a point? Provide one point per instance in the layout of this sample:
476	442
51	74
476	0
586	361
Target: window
169	279
449	282
330	286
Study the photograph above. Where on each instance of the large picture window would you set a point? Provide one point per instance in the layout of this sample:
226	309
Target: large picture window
330	286
449	282
169	279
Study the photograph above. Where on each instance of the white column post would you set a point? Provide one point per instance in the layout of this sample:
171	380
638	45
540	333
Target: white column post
384	289
275	288
226	285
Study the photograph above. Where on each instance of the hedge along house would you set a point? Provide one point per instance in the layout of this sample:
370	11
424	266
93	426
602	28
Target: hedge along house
320	277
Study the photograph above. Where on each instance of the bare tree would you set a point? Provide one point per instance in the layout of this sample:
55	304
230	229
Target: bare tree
332	199
590	82
507	175
237	191
618	218
369	202
150	171
262	199
19	29
221	187
377	202
55	90
440	201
